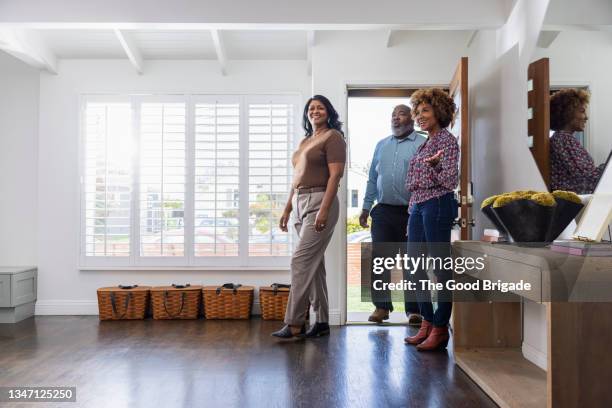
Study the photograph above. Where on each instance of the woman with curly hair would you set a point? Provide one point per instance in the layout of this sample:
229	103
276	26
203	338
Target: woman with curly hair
432	177
318	166
572	168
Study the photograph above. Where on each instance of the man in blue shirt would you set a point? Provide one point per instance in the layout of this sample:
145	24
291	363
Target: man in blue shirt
386	187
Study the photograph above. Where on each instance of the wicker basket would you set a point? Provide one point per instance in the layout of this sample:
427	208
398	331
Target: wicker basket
176	302
115	303
273	301
228	303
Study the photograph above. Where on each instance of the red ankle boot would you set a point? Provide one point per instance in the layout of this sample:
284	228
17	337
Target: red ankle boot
438	339
421	335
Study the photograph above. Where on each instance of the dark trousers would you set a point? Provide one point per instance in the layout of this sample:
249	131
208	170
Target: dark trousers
429	232
389	225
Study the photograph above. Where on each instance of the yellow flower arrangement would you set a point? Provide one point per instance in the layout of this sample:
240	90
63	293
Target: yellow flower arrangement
541	198
544	199
487	201
567	195
507	198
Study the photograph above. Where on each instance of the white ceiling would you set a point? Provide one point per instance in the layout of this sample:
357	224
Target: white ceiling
265	44
43	47
177	44
161	44
82	43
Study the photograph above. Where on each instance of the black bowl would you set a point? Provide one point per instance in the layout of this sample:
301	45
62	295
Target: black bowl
526	221
564	213
488	211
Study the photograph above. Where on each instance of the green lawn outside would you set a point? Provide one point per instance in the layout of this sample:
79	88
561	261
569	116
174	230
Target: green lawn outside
354	303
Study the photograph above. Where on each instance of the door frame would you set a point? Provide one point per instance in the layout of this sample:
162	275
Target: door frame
345	86
538	123
460	82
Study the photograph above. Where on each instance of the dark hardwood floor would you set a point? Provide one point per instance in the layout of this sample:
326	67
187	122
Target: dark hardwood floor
227	364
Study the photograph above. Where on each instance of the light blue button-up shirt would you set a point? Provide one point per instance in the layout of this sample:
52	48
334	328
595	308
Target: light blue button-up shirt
387	177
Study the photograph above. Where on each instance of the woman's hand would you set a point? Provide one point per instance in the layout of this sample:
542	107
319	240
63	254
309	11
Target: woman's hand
321	220
435	159
284	220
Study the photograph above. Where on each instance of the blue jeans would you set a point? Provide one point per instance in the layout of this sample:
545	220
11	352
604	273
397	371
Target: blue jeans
429	232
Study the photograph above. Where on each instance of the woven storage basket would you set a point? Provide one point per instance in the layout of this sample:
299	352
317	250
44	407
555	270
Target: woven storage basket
115	303
226	303
175	302
273	301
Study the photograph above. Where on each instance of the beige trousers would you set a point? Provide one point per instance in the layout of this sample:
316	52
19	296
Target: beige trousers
308	282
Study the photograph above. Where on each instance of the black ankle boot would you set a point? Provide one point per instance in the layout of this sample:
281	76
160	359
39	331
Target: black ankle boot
318	330
285	332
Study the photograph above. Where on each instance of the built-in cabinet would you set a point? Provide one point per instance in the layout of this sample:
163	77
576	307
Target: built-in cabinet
17	293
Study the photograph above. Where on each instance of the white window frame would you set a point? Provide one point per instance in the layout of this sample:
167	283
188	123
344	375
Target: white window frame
188	261
99	260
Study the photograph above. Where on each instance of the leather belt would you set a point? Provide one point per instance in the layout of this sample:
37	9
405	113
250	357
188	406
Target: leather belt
308	190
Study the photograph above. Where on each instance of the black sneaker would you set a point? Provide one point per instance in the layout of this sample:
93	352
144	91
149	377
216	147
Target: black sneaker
318	330
285	332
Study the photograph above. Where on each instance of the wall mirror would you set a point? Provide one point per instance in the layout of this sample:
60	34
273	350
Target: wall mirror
570	101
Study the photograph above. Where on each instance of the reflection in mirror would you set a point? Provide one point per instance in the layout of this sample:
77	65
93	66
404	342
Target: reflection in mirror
571	166
579	100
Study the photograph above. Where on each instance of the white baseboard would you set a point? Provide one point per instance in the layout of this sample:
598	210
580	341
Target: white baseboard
534	355
66	307
334	317
84	307
90	307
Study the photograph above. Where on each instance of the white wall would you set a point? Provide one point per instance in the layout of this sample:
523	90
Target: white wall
585	58
512	166
62	288
498	107
18	161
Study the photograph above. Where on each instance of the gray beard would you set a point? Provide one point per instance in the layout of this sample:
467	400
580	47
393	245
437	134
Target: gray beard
402	130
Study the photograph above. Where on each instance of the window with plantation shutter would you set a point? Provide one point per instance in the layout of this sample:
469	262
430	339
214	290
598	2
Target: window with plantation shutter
107	180
217	179
162	175
186	180
271	132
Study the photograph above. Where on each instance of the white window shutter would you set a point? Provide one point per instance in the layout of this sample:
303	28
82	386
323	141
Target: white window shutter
162	178
186	180
107	179
271	133
217	180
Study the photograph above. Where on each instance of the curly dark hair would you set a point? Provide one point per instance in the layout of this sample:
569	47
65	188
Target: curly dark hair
443	105
332	115
563	106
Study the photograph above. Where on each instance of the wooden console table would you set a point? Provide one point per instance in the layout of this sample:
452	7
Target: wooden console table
488	334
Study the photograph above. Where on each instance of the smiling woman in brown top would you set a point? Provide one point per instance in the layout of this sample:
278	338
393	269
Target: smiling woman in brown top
318	167
311	159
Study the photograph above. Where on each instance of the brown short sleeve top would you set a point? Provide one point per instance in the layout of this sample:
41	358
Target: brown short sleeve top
312	156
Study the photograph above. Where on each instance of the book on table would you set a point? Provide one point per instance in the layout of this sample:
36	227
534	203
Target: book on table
582	248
